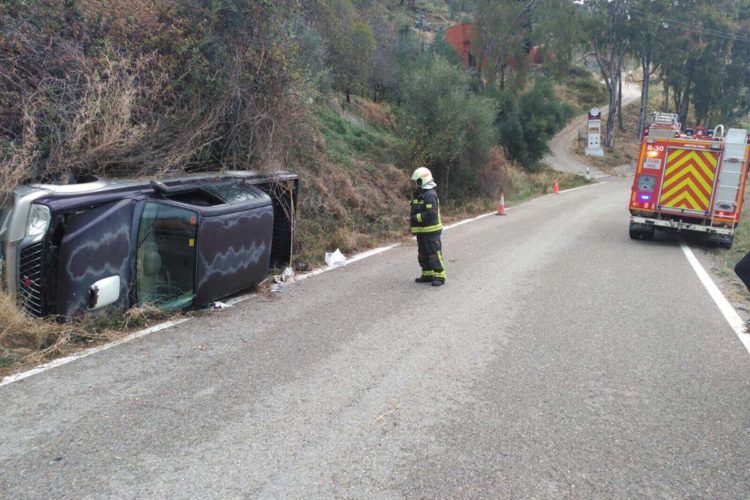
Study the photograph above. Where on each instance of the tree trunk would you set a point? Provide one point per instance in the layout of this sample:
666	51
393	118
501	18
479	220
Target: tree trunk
677	99
619	106
682	112
615	65
646	68
602	67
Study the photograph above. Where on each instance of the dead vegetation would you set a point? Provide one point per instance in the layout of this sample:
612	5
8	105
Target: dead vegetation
82	92
27	342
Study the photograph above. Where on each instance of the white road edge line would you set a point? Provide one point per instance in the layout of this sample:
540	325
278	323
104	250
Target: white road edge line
730	314
235	300
63	361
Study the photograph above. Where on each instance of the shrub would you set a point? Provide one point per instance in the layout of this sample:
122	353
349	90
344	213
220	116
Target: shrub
526	124
448	128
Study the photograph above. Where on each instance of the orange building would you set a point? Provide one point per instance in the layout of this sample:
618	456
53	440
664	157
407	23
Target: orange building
459	37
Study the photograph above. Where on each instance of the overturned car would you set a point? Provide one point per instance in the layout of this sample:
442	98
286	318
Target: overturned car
176	243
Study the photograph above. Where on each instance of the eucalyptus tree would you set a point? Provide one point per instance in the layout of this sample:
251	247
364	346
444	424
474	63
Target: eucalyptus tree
610	42
351	42
500	36
648	22
733	104
557	32
702	58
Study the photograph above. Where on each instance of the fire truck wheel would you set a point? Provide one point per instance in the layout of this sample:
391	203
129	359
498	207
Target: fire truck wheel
639	234
720	241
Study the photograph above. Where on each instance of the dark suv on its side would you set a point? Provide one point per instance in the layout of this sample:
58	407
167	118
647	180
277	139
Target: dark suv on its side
177	243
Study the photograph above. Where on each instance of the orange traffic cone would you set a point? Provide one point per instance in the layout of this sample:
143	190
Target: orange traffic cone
501	205
555	187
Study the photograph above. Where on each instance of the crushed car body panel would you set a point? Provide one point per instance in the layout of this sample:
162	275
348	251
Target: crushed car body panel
176	243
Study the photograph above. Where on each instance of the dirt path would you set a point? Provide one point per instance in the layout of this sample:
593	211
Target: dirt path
561	157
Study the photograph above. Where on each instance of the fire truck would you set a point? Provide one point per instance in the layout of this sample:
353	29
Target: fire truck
692	180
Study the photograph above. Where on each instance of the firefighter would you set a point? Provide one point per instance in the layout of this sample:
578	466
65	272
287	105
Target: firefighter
427	226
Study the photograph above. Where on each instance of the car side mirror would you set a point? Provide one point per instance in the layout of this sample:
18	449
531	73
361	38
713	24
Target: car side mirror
104	292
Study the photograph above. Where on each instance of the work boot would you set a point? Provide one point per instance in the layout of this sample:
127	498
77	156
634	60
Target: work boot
438	282
424	279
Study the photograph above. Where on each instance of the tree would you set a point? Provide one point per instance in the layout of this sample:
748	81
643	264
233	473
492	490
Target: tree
610	43
448	128
499	35
526	124
557	32
647	28
702	54
351	43
734	102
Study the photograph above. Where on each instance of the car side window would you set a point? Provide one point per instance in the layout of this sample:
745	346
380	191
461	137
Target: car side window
233	193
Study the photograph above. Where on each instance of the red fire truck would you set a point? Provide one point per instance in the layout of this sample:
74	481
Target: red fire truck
690	180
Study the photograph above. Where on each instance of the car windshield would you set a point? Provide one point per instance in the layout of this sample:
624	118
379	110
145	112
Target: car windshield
166	257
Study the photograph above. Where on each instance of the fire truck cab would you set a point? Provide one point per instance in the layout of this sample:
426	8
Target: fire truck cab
689	180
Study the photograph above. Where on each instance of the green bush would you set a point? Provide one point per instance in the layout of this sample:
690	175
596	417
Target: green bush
448	128
526	123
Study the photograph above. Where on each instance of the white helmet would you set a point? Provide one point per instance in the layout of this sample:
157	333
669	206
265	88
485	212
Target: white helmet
422	176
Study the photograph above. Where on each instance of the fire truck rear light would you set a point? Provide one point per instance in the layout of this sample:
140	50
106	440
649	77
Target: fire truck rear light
644	197
715	145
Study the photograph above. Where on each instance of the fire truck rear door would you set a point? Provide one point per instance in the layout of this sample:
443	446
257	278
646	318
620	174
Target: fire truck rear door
688	182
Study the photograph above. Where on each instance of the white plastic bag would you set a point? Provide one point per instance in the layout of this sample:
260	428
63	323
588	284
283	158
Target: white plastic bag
335	259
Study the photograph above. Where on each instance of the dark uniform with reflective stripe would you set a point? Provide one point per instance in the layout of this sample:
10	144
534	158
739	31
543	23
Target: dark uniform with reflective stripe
427	225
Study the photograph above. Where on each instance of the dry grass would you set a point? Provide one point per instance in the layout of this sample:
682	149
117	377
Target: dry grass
26	342
376	113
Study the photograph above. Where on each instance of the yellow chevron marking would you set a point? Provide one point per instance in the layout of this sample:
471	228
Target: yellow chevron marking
696	159
687	187
710	157
692	204
702	172
679	177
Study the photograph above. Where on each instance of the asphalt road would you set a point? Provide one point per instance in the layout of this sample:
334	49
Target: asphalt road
561	359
